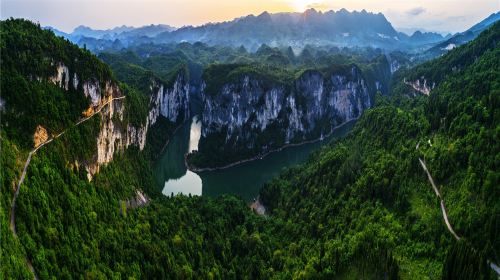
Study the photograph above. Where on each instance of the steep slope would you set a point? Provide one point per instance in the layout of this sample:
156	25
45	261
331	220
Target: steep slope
249	111
423	78
376	173
53	73
55	94
360	208
463	37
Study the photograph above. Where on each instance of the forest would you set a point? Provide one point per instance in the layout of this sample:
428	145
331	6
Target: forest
360	208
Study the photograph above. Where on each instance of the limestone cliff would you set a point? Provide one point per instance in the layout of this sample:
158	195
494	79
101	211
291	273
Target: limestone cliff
248	112
106	99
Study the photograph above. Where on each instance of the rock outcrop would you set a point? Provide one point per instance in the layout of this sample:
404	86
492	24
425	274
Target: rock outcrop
40	136
114	134
257	116
421	85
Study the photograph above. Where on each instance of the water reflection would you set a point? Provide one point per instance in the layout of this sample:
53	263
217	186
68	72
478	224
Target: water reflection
171	171
244	180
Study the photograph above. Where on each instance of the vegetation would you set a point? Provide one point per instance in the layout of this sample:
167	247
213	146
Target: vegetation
218	148
28	103
360	207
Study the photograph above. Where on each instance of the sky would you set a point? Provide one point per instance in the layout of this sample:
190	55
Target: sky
434	15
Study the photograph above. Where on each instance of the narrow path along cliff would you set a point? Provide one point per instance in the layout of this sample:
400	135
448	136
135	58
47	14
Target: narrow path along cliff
28	160
492	265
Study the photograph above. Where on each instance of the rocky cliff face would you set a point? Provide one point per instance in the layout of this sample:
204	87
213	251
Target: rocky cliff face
421	85
106	99
308	109
171	103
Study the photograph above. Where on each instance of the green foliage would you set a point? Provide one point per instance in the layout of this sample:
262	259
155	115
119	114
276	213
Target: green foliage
361	207
464	262
453	63
29	58
12	255
218	75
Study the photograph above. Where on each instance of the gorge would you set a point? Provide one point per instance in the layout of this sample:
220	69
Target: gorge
141	163
243	180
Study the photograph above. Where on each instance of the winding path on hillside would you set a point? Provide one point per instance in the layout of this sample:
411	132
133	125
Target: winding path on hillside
492	265
23	175
438	194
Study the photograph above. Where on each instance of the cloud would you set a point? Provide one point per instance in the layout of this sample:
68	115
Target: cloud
415	11
319	6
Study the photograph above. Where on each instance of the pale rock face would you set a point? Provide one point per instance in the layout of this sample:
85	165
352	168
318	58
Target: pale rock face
172	100
395	66
421	85
172	103
40	136
315	103
92	89
169	103
75	81
61	77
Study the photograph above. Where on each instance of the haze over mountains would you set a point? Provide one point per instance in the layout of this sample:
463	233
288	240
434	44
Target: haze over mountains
464	37
315	145
339	28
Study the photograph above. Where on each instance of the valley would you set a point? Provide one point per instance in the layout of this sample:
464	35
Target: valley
244	179
291	145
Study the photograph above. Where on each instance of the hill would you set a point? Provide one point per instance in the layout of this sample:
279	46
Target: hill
362	207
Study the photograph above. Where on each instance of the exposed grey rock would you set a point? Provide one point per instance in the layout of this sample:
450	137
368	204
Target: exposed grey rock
172	103
311	107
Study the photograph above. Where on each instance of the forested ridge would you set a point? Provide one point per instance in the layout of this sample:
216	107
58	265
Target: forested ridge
360	208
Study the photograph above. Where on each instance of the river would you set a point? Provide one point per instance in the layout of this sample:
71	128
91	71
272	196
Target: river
243	180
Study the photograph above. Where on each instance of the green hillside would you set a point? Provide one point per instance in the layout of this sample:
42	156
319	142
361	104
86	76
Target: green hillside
360	208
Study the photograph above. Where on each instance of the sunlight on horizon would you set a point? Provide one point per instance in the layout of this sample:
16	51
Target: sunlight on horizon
437	15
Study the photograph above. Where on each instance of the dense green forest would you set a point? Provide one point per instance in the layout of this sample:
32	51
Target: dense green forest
360	208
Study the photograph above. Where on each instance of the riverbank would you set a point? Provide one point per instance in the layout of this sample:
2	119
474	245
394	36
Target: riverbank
261	156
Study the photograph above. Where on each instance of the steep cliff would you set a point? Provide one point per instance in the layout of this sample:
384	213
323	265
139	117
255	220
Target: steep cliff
252	116
115	133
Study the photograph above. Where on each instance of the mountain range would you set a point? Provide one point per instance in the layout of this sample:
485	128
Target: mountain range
463	37
341	28
411	192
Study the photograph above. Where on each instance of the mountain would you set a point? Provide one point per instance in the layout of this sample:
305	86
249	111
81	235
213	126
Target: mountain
426	37
295	29
463	37
410	193
115	38
253	110
121	31
380	168
410	30
339	28
85	31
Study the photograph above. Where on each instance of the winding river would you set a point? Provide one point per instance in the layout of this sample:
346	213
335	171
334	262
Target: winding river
243	180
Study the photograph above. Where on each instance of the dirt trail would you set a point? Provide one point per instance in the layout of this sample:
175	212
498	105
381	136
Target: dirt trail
492	265
23	175
438	194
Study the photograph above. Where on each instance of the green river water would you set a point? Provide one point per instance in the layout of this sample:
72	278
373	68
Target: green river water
243	180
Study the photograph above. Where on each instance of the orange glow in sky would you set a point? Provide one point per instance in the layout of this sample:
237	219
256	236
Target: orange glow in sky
445	15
